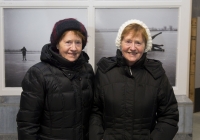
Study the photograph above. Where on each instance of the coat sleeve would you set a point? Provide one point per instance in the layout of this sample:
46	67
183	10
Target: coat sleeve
167	113
31	105
96	130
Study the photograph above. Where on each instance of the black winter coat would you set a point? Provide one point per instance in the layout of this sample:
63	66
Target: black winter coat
133	103
56	99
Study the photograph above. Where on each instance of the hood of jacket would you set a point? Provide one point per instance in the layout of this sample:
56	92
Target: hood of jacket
154	67
48	55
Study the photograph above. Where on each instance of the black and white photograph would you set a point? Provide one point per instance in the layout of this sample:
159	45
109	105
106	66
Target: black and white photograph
164	33
26	31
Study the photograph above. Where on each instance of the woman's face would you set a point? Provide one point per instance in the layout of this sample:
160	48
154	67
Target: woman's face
132	48
70	46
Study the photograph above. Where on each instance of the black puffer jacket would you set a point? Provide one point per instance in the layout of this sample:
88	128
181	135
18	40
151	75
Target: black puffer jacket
133	103
56	99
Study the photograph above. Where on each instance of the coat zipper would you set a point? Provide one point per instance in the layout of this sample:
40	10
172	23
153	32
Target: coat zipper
130	71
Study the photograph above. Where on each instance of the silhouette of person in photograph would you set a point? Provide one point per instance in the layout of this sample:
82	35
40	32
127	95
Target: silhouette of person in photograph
24	53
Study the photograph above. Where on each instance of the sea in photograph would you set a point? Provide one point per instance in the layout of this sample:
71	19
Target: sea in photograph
16	68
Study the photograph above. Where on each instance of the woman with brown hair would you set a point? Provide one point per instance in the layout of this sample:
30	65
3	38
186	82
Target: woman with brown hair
133	98
58	91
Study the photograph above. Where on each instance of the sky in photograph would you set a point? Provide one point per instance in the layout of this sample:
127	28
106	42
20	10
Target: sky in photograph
157	18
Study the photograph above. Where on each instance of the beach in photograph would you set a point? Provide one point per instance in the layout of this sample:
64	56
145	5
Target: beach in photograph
16	68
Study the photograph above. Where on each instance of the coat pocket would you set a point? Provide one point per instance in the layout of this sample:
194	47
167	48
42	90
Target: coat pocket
107	136
112	137
146	135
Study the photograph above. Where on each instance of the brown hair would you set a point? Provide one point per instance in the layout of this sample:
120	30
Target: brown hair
136	30
77	33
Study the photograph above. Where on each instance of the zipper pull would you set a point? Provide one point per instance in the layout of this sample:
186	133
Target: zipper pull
130	71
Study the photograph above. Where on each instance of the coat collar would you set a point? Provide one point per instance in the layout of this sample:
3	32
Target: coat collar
122	61
154	67
52	57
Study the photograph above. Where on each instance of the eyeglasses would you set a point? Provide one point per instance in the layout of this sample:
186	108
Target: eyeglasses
77	43
130	43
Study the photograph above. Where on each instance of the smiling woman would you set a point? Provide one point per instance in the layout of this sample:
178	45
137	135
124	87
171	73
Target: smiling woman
138	103
59	89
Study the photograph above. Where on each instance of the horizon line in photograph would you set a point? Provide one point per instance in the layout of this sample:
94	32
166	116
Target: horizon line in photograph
165	28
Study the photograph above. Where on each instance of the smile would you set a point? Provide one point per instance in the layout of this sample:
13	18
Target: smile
132	53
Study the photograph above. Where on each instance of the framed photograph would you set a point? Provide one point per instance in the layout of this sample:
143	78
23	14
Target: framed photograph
164	33
25	32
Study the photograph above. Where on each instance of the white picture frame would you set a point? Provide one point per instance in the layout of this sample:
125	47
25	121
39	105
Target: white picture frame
183	37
